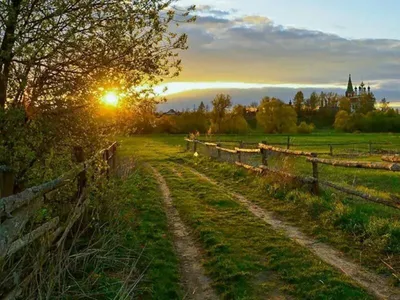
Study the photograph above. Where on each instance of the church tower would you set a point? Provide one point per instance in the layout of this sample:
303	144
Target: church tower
350	90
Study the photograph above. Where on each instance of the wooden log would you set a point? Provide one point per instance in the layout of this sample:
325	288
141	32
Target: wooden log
285	151
210	144
32	236
17	291
394	158
248	150
226	150
10	203
357	164
248	167
10	229
350	191
189	140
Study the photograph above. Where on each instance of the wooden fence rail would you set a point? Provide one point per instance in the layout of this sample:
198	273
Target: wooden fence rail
264	148
18	209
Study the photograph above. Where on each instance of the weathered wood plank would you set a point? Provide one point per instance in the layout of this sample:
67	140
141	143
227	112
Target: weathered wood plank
394	158
248	150
248	167
210	144
285	151
226	150
357	164
354	192
31	236
11	228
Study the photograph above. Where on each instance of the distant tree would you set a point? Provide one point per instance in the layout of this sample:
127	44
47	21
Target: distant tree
220	105
313	101
342	120
239	110
345	104
298	101
276	117
384	105
253	104
201	108
366	103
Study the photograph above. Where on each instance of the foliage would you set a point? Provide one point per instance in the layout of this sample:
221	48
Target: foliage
342	120
59	57
305	128
276	117
374	121
345	104
220	105
298	101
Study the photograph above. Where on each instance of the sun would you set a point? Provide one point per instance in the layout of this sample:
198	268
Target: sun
110	98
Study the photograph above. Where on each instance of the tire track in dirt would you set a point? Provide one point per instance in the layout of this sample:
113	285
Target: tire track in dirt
197	284
375	284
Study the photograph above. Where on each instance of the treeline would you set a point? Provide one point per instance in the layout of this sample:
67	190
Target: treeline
270	115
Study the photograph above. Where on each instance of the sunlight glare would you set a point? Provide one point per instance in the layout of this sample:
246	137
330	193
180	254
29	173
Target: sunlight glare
110	98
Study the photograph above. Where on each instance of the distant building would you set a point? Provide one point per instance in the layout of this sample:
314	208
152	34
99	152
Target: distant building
171	112
354	94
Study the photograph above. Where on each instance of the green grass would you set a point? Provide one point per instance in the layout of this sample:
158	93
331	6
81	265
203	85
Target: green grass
133	212
367	232
246	258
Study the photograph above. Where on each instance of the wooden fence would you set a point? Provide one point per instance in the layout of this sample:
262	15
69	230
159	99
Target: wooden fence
17	210
390	163
331	147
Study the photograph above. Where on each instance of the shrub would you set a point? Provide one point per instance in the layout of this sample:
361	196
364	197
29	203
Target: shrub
305	128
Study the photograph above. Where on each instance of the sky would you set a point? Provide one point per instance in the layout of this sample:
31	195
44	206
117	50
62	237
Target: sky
252	48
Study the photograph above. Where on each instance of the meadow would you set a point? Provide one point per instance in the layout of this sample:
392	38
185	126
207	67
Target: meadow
247	259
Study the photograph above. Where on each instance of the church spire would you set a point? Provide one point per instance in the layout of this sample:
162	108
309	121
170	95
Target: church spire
350	90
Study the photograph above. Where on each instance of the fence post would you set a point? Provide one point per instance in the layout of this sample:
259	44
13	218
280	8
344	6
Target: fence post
219	151
187	145
80	158
315	188
331	150
106	158
370	148
6	181
114	157
195	146
239	153
264	160
288	143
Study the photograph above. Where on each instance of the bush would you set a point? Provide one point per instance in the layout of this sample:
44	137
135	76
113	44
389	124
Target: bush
305	128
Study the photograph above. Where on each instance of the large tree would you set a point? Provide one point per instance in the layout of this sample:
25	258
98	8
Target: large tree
220	105
58	57
276	117
298	101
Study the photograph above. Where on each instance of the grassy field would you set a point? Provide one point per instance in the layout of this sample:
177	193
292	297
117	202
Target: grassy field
245	258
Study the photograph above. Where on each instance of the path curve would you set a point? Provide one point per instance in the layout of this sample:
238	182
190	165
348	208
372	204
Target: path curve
197	284
377	285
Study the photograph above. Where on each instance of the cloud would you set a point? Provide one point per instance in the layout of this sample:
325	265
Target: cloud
224	46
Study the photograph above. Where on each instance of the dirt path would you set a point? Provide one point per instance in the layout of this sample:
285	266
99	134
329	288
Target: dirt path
197	284
377	285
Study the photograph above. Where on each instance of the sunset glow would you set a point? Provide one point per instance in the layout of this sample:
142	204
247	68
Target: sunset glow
181	87
110	98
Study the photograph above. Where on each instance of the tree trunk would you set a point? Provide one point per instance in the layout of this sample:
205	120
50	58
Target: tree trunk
6	50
